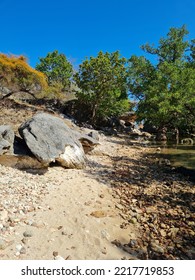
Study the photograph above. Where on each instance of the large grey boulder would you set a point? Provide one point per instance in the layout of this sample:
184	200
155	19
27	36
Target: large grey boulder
6	139
51	140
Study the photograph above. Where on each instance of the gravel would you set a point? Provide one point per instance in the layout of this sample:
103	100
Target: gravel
158	201
20	193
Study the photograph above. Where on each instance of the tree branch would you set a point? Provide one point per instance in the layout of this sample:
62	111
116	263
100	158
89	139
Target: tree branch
12	92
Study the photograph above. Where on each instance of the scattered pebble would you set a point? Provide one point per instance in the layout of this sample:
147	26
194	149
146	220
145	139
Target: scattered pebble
157	248
25	240
23	250
28	233
159	202
105	234
18	247
99	214
55	254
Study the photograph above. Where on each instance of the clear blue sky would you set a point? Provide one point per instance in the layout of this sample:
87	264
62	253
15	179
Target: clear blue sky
81	28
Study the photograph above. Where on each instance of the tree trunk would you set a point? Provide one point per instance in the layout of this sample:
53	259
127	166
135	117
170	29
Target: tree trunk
94	108
176	130
161	134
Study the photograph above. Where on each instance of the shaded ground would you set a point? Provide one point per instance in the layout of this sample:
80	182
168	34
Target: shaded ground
153	197
160	201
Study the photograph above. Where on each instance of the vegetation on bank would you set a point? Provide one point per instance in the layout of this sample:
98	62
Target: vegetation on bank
164	87
102	83
17	76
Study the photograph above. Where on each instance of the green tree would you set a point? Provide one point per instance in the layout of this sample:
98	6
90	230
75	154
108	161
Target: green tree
165	90
57	69
102	84
17	76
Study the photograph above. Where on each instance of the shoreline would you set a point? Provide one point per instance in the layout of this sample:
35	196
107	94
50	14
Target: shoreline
124	205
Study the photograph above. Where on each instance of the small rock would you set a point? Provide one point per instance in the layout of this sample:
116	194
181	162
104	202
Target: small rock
133	243
191	223
55	254
18	247
162	225
37	224
105	234
133	221
124	216
16	220
139	211
173	232
163	233
12	224
104	251
88	203
99	214
119	206
27	234
23	250
24	240
98	202
157	248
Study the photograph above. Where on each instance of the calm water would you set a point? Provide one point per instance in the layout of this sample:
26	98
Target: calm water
180	155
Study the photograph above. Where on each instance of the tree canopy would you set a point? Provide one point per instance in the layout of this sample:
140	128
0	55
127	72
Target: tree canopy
164	87
165	90
103	87
16	76
57	68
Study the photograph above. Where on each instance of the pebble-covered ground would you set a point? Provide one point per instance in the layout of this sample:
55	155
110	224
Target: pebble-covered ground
20	193
158	200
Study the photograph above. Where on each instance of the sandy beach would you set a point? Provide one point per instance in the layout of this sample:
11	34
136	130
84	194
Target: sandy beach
73	215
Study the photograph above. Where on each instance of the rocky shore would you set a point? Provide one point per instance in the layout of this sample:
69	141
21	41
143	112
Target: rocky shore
160	201
124	204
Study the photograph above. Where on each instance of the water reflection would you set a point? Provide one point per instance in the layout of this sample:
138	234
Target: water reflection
180	155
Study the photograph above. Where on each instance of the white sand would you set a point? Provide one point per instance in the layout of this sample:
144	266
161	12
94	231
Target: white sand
66	223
